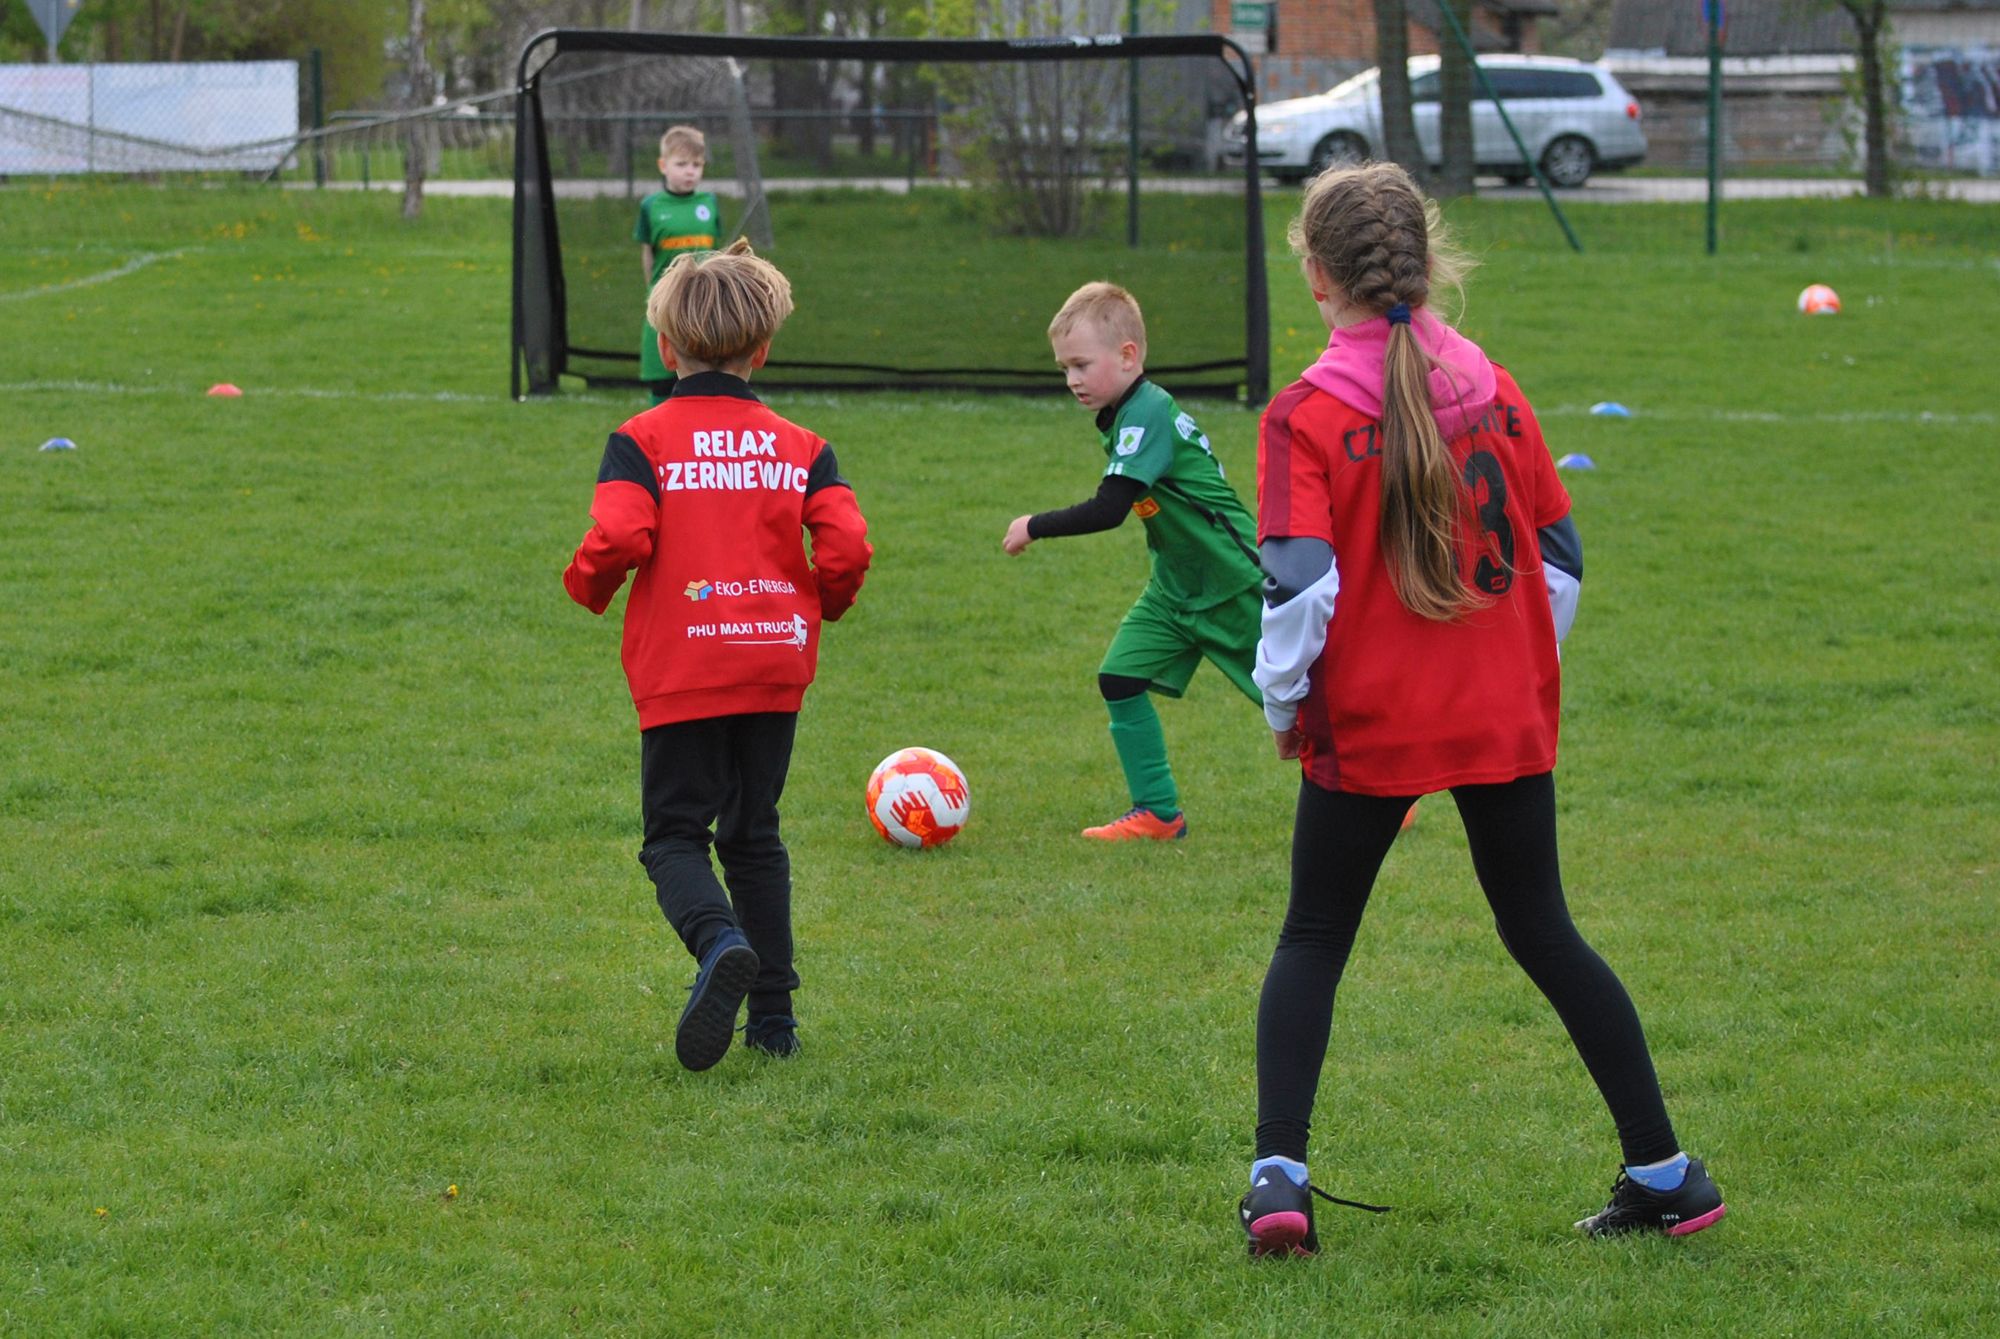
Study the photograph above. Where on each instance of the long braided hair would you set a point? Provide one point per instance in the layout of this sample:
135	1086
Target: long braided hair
1382	242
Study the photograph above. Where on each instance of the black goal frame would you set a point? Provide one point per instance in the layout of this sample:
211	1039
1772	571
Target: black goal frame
540	339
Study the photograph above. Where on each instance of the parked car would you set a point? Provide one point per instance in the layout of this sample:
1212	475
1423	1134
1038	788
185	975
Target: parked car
1574	117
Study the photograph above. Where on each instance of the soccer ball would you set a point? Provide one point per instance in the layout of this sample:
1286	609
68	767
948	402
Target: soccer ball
917	797
1819	300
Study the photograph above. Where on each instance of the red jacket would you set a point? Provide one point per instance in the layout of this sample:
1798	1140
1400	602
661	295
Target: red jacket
705	494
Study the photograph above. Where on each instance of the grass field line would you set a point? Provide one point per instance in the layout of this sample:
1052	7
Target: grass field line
1685	414
132	266
1712	414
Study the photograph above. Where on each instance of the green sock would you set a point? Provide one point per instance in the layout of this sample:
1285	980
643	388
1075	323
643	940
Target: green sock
1142	752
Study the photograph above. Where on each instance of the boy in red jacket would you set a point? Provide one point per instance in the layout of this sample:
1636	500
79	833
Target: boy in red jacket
705	495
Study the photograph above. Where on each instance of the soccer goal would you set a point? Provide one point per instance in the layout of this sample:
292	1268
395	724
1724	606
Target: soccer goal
932	201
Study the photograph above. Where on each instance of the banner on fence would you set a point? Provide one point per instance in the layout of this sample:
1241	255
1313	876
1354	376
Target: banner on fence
1951	107
196	117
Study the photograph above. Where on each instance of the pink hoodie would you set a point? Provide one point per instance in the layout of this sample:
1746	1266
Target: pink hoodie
1461	379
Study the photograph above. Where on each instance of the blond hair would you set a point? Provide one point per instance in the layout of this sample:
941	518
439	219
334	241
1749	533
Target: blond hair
1107	309
685	140
1382	242
718	307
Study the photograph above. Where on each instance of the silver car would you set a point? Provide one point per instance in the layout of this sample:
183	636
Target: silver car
1574	118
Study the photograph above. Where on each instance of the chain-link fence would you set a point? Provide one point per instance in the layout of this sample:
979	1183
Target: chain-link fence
60	120
1779	91
1782	104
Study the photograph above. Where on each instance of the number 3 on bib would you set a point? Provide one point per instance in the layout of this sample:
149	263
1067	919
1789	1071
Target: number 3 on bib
1481	467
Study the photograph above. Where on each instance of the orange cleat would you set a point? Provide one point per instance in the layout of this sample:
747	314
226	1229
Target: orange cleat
1140	824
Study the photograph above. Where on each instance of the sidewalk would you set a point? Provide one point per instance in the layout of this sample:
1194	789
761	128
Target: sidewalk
1605	189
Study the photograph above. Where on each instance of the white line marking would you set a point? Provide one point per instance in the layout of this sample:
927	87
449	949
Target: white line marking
1911	416
302	393
931	405
132	266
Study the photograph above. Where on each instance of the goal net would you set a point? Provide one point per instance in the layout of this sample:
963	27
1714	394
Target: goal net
932	201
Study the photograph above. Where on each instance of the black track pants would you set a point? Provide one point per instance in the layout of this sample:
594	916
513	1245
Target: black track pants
717	781
1338	845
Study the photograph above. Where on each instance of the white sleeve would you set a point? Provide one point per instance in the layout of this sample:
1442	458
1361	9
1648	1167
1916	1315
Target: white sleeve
1563	592
1294	636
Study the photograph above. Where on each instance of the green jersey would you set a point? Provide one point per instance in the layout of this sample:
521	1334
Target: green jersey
1202	537
671	224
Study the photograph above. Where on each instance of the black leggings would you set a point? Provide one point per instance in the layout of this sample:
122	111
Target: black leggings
1338	845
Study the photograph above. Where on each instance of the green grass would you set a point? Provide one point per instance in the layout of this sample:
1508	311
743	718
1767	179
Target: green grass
318	898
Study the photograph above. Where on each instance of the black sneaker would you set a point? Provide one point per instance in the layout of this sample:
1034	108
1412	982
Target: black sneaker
776	1035
1634	1208
708	1024
1277	1214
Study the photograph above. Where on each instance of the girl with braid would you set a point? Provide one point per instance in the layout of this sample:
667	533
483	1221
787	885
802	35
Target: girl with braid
1421	569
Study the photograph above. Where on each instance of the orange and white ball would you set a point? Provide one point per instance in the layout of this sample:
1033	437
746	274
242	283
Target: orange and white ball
1819	300
917	797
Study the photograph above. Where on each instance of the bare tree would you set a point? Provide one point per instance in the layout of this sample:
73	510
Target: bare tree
1392	58
1455	79
415	136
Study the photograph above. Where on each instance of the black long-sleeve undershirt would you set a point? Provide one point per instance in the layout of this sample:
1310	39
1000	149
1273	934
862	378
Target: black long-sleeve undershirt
1106	510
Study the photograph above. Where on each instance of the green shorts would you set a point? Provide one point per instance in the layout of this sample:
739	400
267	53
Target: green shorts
1162	644
651	368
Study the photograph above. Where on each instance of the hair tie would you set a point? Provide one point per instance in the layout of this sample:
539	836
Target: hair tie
1399	314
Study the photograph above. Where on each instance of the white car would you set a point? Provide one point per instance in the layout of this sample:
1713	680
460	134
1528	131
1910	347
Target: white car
1574	118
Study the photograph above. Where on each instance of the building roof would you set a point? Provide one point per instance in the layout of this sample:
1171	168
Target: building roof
1753	27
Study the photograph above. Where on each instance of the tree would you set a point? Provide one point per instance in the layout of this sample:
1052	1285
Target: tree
1578	29
416	139
1031	136
1392	58
1455	79
1871	22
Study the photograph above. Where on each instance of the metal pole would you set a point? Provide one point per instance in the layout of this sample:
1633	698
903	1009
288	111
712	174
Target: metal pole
319	117
1132	132
1493	94
1713	11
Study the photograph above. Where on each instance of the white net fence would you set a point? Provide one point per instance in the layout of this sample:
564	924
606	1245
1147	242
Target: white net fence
238	116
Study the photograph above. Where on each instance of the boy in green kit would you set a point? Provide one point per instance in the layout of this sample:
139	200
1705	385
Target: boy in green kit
1203	600
681	218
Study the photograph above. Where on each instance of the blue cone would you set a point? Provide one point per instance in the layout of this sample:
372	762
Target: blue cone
58	444
1576	461
1610	409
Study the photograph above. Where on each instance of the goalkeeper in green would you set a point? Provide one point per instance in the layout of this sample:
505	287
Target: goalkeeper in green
1203	600
674	220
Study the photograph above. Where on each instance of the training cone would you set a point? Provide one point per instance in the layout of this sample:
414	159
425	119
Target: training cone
1610	409
58	444
1576	460
225	389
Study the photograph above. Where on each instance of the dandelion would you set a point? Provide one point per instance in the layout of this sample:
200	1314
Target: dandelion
102	1212
451	1192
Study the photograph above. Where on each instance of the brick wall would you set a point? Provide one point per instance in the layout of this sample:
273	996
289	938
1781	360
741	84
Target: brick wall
1321	42
1758	130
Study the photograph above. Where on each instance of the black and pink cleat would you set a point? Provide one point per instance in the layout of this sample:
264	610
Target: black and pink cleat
1692	1206
1277	1215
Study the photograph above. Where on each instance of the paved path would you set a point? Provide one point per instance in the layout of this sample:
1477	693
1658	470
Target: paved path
1609	188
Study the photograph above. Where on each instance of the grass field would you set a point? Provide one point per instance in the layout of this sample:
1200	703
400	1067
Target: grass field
332	1000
